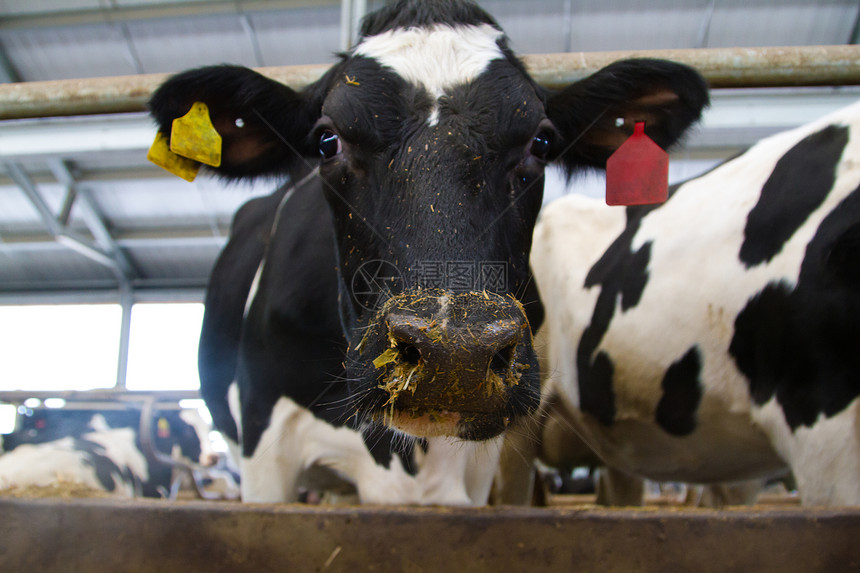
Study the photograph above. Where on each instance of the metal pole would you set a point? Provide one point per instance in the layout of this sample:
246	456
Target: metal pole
351	13
346	25
722	67
127	303
359	11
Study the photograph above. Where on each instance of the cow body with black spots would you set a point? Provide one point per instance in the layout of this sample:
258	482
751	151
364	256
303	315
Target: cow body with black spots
714	338
350	327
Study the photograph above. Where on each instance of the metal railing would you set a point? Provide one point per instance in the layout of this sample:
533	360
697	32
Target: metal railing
722	67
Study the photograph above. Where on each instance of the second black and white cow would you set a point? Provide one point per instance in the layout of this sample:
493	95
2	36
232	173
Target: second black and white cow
102	450
715	338
386	296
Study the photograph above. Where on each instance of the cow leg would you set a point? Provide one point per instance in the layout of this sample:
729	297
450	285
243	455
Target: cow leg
271	473
234	447
825	459
445	471
514	481
724	494
295	441
618	488
481	469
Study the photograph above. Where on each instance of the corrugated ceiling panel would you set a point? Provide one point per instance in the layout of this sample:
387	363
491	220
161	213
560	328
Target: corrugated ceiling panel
93	163
141	204
634	29
533	27
783	25
173	45
48	262
20	216
299	36
191	262
132	205
68	52
32	6
302	36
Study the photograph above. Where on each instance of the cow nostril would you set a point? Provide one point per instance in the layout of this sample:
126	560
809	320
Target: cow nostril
409	354
501	361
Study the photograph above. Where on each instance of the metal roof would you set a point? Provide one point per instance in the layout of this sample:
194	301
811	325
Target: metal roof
116	211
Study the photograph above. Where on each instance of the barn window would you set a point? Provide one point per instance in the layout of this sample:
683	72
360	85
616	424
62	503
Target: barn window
59	347
162	352
7	418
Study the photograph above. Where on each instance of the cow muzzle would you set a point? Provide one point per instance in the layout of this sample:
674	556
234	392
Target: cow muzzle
449	364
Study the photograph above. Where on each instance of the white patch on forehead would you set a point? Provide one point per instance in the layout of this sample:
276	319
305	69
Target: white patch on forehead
436	58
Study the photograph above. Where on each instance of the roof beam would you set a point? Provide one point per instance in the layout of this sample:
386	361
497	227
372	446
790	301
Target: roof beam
107	399
155	238
61	234
89	291
92	217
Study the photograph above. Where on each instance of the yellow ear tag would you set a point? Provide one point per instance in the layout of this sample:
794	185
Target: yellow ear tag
193	136
161	155
163	428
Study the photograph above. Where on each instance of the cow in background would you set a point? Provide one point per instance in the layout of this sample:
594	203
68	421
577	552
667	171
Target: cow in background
100	449
714	338
379	321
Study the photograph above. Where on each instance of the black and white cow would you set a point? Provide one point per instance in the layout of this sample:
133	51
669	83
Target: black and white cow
715	338
386	294
98	449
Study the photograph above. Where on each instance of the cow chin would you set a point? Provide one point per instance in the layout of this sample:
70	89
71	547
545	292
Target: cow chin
475	427
435	363
427	425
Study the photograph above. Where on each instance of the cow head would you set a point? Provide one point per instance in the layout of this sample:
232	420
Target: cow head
431	141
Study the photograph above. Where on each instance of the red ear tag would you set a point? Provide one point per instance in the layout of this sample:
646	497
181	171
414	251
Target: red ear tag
638	172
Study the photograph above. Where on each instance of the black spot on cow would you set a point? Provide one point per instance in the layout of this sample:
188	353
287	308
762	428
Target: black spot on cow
382	443
106	470
842	259
682	393
620	272
798	185
800	343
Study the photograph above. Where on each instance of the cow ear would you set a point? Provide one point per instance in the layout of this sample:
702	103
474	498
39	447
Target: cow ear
597	114
263	124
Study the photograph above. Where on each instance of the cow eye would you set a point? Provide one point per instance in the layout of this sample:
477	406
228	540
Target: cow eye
329	144
541	145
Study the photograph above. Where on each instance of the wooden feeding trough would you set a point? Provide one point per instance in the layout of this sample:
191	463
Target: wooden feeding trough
95	535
